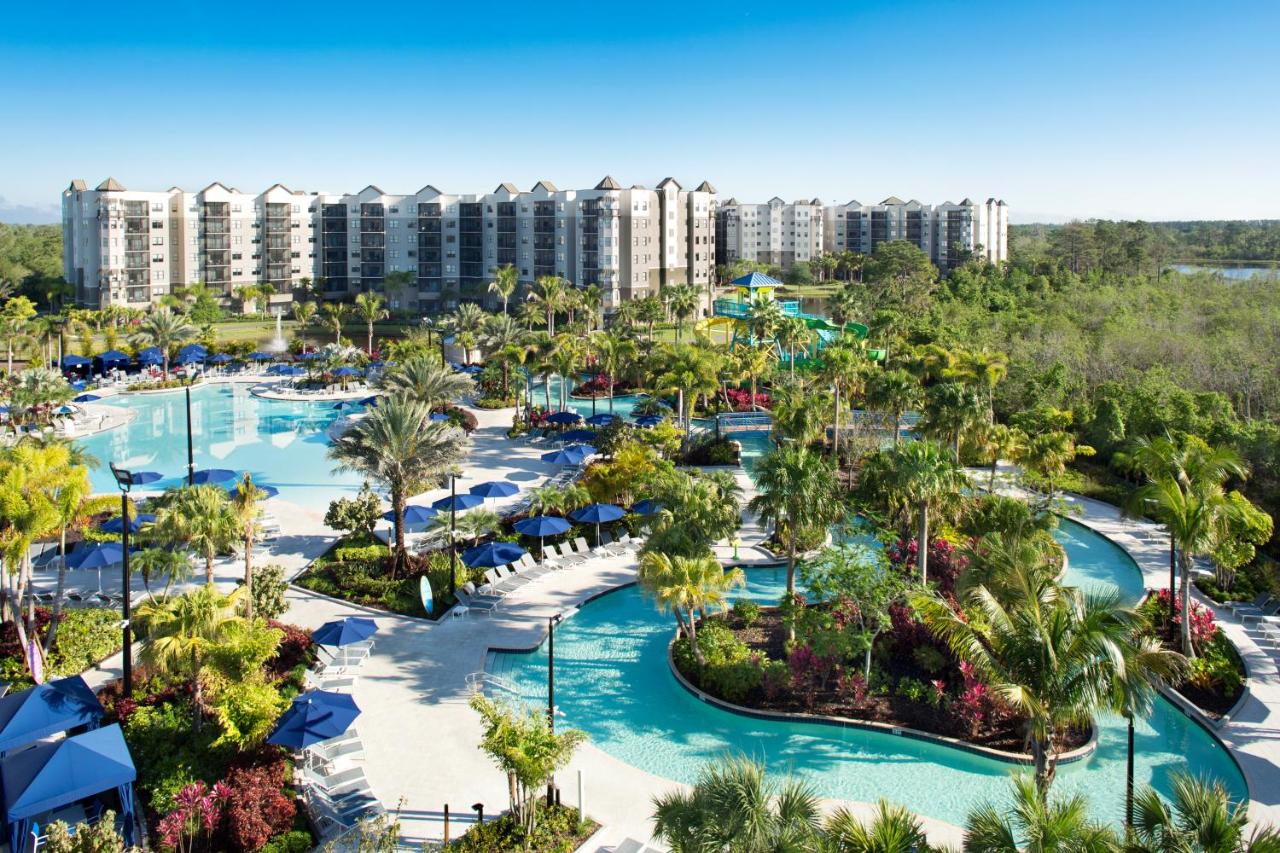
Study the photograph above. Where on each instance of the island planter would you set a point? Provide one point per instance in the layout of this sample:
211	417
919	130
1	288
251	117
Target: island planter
1018	758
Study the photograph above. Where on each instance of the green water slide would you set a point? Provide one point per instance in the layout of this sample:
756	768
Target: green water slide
829	332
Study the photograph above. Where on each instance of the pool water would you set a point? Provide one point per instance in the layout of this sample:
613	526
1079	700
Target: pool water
614	683
622	403
281	443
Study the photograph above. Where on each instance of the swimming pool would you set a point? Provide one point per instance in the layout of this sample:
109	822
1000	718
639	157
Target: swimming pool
613	682
281	443
622	403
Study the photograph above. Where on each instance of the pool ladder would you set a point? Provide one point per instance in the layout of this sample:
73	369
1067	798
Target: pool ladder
483	682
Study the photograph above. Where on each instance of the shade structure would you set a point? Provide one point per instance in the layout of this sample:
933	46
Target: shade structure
315	716
346	371
753	280
265	493
578	435
492	554
141	478
574	454
112	357
116	525
220	358
458	502
345	405
541	526
412	514
564	418
86	398
260	356
150	355
96	556
495	489
191	353
649	420
597	514
473	369
344	632
46	709
602	419
646	507
64	410
75	361
369	401
52	775
294	371
213	475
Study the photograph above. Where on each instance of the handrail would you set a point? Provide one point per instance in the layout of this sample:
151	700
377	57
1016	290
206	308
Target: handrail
481	679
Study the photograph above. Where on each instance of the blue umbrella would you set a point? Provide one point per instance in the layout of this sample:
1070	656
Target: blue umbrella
86	398
369	401
473	369
495	489
458	502
141	478
192	352
492	554
649	420
220	358
646	507
79	385
96	556
346	404
260	356
213	475
574	454
346	371
413	514
113	356
150	355
602	419
265	493
315	716
564	418
439	416
65	410
309	356
75	361
116	525
541	526
190	357
293	371
578	435
4	410
597	514
344	632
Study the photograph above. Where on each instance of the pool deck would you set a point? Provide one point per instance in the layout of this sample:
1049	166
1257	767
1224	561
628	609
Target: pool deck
1252	732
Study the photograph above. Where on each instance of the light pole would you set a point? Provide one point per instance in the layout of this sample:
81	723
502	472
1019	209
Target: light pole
191	457
551	692
124	479
453	533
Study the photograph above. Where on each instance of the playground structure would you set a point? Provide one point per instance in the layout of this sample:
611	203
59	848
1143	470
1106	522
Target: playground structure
733	316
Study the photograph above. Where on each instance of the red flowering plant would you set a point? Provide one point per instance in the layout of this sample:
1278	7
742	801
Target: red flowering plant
945	562
974	702
1203	626
740	399
190	826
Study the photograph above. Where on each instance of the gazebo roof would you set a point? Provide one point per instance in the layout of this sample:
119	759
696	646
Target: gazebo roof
755	281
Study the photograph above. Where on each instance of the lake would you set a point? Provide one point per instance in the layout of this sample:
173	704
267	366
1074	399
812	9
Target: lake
1234	272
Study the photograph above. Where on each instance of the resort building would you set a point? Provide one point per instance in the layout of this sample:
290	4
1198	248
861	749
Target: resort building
427	250
773	233
945	232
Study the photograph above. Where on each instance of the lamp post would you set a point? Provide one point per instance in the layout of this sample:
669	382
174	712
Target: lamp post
453	533
124	479
551	692
191	457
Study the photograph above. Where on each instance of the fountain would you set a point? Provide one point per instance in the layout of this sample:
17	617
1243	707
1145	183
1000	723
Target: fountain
277	343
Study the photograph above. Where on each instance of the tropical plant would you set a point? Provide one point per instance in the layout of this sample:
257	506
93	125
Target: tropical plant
550	292
200	518
894	392
398	445
612	354
506	280
683	301
425	380
689	371
304	314
1000	441
165	330
371	308
1199	816
15	317
891	829
244	506
951	409
688	587
335	315
1047	454
1036	824
845	368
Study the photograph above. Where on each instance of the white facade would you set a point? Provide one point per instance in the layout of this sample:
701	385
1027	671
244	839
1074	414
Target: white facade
774	233
442	248
944	232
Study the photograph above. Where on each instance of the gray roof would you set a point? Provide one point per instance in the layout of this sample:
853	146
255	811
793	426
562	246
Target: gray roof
546	185
110	185
893	199
218	184
78	184
669	180
509	187
608	183
966	201
429	189
705	187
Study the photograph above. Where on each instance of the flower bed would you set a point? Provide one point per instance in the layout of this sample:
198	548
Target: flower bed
357	569
559	830
84	637
1217	674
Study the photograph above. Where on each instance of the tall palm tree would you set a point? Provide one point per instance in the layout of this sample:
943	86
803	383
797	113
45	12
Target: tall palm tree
422	378
69	492
506	280
764	318
1201	816
244	505
683	300
200	518
951	409
752	361
794	334
551	292
613	353
335	316
1034	824
503	339
891	829
166	330
799	412
1185	490
178	632
304	313
371	308
733	807
845	368
983	370
894	392
399	446
1052	653
649	311
1049	453
688	586
565	360
1001	441
689	371
796	488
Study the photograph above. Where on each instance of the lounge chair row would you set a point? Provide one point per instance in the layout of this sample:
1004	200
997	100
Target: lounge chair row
336	792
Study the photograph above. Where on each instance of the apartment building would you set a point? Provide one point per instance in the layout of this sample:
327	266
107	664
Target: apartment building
777	232
944	232
129	247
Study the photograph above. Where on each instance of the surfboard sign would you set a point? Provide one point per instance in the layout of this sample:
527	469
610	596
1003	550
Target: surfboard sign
428	598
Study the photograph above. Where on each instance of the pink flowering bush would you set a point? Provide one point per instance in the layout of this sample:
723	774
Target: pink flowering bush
945	562
974	701
740	399
852	686
1203	628
190	826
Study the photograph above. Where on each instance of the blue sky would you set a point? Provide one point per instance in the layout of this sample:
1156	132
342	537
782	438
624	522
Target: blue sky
1126	108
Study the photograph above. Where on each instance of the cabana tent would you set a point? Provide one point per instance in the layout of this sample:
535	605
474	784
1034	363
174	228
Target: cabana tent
57	774
46	709
112	358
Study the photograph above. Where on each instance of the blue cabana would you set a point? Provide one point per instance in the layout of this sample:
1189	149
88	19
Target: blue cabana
150	356
565	418
260	356
52	775
191	353
75	361
220	358
46	709
112	358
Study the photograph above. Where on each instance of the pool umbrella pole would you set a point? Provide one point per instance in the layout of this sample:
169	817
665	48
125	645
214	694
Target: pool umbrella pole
191	456
453	529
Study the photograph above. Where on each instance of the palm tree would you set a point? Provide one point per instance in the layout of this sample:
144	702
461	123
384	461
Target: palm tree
166	330
244	505
335	315
794	334
1052	653
799	413
683	300
983	369
844	367
200	518
688	586
398	445
613	353
894	392
1034	824
950	410
565	360
1049	453
421	378
1185	489
797	489
1001	441
551	292
179	631
304	313
752	361
764	318
649	311
690	371
892	829
504	340
1200	817
69	491
506	279
733	807
370	308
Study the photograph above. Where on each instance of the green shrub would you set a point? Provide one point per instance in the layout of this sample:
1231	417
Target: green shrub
495	403
367	554
913	689
929	659
558	831
355	515
746	611
297	841
268	592
1218	667
85	636
733	681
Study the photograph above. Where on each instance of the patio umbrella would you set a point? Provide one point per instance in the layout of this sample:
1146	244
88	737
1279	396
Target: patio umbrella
646	507
314	716
344	632
579	435
458	502
346	371
412	514
346	404
192	352
86	398
141	478
260	356
597	514
213	475
309	356
495	489
116	525
649	420
473	369
602	419
113	356
574	454
79	384
369	401
541	526
492	554
220	358
96	556
439	416
150	355
565	418
65	410
293	371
